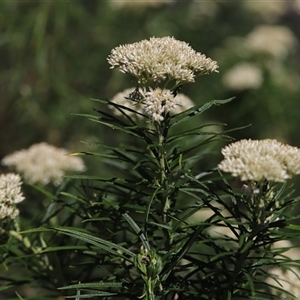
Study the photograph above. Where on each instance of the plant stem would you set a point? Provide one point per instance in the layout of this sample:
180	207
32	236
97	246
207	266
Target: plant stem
164	184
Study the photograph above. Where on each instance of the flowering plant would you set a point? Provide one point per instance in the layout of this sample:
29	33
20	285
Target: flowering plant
159	222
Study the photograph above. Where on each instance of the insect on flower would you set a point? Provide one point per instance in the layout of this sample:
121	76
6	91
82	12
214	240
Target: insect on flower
176	90
136	96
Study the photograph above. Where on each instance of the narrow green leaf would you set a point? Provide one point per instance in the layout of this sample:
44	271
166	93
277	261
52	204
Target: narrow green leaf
19	296
196	110
96	241
64	248
92	153
293	227
138	230
43	191
94	285
39	229
92	294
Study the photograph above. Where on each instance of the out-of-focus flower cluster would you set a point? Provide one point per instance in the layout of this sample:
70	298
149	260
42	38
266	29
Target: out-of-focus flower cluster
256	160
10	194
284	282
268	46
156	103
43	164
243	76
276	41
161	59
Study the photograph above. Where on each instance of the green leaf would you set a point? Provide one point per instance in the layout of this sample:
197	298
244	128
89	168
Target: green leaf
92	294
64	248
94	285
21	298
43	191
293	227
194	132
195	111
137	229
110	247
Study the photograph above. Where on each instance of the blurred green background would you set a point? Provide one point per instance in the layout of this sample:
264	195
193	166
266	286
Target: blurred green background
53	60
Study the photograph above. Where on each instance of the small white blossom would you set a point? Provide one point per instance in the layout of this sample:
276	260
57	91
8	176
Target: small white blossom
155	103
10	194
256	160
158	103
161	59
10	188
243	76
43	163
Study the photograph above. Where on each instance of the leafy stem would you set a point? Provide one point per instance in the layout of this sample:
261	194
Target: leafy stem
162	130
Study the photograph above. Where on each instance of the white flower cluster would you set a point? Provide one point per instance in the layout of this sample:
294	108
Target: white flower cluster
156	103
10	194
243	76
276	41
161	59
43	163
256	160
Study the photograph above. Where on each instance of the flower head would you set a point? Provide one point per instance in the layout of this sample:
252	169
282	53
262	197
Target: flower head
243	76
10	194
161	59
256	160
156	103
43	163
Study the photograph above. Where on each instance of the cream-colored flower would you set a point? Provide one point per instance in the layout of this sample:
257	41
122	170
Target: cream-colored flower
43	163
161	59
256	160
10	194
243	76
276	41
8	211
286	280
156	103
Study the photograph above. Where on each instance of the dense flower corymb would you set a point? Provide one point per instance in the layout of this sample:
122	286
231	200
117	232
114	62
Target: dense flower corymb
158	103
10	194
257	160
155	103
159	59
43	163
